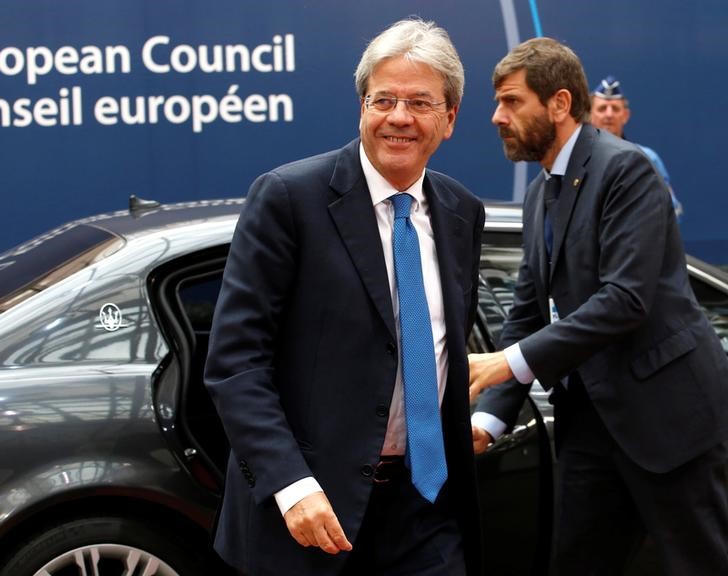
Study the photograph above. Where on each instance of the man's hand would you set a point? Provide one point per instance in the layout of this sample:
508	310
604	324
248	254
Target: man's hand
312	522
481	440
487	370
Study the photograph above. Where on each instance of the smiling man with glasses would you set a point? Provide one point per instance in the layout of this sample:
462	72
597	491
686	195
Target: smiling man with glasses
337	355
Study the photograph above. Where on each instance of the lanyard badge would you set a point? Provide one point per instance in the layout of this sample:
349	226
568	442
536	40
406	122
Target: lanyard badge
553	311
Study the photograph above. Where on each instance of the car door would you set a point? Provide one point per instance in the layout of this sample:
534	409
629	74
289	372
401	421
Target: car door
515	474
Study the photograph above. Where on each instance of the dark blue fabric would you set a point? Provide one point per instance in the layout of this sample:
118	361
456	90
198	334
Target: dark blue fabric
304	333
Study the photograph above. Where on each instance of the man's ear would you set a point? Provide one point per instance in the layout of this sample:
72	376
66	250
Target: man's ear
560	105
451	115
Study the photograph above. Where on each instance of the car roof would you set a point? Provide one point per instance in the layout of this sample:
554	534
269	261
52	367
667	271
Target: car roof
141	216
147	215
150	215
57	253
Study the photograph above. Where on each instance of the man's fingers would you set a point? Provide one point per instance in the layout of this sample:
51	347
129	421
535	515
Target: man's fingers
337	535
312	522
301	538
299	534
301	518
486	370
481	440
323	541
330	537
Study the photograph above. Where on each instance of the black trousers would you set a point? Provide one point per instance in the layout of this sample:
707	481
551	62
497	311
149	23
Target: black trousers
405	535
607	504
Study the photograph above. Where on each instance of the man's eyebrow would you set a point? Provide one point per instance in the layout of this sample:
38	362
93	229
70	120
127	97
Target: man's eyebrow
422	92
497	96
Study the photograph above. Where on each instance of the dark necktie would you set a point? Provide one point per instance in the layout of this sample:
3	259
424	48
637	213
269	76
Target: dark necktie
552	187
425	447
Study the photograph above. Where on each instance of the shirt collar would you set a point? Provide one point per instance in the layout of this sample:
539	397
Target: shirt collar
562	160
380	189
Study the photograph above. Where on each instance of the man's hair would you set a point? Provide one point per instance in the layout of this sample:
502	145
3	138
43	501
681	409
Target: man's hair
550	66
417	41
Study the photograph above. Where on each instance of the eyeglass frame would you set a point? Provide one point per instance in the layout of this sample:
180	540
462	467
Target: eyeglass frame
369	102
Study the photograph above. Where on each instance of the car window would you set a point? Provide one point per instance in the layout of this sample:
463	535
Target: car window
198	297
499	260
45	260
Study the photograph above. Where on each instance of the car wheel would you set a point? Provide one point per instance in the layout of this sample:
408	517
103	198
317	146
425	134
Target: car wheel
105	546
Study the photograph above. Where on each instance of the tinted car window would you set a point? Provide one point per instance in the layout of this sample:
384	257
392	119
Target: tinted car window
499	261
37	264
198	297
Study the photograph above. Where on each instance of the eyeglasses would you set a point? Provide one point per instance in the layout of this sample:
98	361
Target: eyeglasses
417	106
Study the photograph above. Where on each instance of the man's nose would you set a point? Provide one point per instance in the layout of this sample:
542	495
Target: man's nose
400	113
498	118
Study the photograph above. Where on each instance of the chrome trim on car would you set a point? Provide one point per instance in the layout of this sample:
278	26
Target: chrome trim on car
707	277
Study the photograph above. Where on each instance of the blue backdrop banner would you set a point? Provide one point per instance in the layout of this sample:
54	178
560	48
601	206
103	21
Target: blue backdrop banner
181	100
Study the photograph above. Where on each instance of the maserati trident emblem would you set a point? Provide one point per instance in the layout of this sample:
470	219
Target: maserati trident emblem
110	318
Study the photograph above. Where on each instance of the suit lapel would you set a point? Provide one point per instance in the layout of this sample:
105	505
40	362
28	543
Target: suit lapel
567	199
447	229
571	184
354	217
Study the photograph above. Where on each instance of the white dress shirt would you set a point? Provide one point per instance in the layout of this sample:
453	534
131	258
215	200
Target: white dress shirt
395	440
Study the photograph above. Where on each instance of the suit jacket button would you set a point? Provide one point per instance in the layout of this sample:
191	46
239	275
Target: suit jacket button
382	410
367	470
391	348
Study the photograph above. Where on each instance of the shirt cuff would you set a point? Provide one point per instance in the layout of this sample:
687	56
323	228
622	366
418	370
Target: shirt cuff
491	424
518	364
294	493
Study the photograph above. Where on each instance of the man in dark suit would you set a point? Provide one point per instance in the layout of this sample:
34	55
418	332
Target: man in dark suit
604	315
304	360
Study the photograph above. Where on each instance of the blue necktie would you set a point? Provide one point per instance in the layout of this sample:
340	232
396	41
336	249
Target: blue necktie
425	447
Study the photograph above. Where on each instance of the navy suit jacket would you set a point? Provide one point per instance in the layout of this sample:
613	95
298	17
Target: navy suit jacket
303	354
630	324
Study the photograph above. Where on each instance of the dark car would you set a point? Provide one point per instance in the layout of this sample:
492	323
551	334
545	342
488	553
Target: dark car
111	452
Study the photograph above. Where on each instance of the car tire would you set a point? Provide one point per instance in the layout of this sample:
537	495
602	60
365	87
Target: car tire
105	546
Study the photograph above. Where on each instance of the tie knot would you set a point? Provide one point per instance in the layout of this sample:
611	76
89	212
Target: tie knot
402	204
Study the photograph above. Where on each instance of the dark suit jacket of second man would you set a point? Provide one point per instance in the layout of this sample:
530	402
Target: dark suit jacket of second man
630	325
